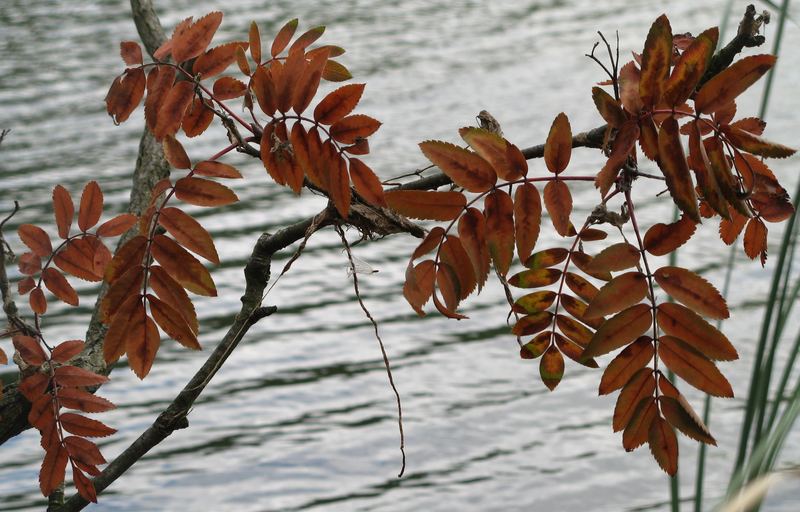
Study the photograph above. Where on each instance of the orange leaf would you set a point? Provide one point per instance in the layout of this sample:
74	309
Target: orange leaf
349	129
535	278
615	257
217	59
577	308
755	144
129	255
639	387
453	254
624	143
680	415
201	192
159	83
228	88
629	361
495	150
338	103
63	209
263	87
629	78
131	53
308	83
673	164
731	82
141	341
182	266
664	445
307	38
621	292
580	286
690	67
551	368
656	60
127	285
173	107
194	40
648	138
704	171
755	240
472	231
419	283
172	323
74	398
283	37
683	323
609	108
72	376
339	184
546	258
584	262
34	386
465	168
499	213
573	351
29	350
82	483
78	259
448	283
36	239
558	201
30	264
693	367
429	243
637	430
58	286
118	225
527	219
169	291
424	204
125	94
175	154
620	330
27	284
254	37
54	465
198	117
66	350
366	183
575	331
558	148
91	206
120	328
83	450
165	49
287	78
216	169
532	323
662	239
189	233
38	301
534	302
692	290
83	426
729	230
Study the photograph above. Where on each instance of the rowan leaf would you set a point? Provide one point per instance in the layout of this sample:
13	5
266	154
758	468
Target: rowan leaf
692	290
527	219
452	253
681	322
182	266
27	284
419	284
664	445
29	350
36	239
173	107
558	201
351	128
129	255
131	53
64	210
366	183
429	243
535	278
84	486
172	323
609	108
575	331
78	399
495	150
338	103
620	330
467	169
58	286
309	82
731	82
580	286
121	327
338	184
307	38
66	350
194	40
680	415
125	94
254	39
499	213
693	367
83	426
629	78
614	258
546	258
537	346
639	387
54	465
584	262
662	239
141	342
174	153
656	60
283	37
637	430
620	293
202	192
424	204
159	83
447	282
573	351
38	301
335	72
83	450
172	293
624	143
77	258
287	78
228	88
551	368
690	68
558	147
217	59
673	164
729	230
29	264
73	376
198	117
532	323
755	144
189	233
755	240
630	360
472	233
535	302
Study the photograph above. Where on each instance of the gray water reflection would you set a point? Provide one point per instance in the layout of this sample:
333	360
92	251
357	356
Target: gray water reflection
302	418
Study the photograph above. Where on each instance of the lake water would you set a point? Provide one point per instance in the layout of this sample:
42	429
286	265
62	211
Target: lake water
301	417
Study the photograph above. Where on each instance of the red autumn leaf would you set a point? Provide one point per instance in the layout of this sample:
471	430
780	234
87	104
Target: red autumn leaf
198	117
693	367
159	83
287	79
72	376
472	232
131	53
532	323
752	125
366	183
189	233
673	164
66	350
175	154
118	225
77	258
173	107
429	243
228	88
254	37
308	83
84	486
690	68
729	230
166	48
620	330
29	350
448	284
172	293
182	266
36	239
38	301
121	328
262	84
537	346
638	428
216	169
194	40
338	103
656	59
621	292
648	138
125	94
558	148
680	415
29	264
499	213
558	201
452	253
624	143
58	286
731	82
692	290
172	323
755	240
506	163
419	283
34	386
609	108
424	204
663	445
351	128
63	209
465	168
54	465
129	255
683	323
202	192
339	185
757	145
27	284
78	399
83	450
662	239
629	361
576	332
629	77
551	368
306	38
217	59
83	426
640	386
580	286
142	342
615	257
527	219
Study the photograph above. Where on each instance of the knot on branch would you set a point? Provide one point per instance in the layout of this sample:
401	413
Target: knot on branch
750	26
168	422
375	222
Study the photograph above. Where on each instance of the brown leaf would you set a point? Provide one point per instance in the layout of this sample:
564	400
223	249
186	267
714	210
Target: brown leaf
629	78
620	330
228	88
77	259
202	192
189	233
680	415
54	465
534	302
472	232
72	376
309	82
75	398
194	40
287	78
577	308
169	291
118	225
683	323
467	169
307	38
430	242
690	68
558	147
729	230
452	253
182	266
175	154
535	278
129	255
131	53
731	82
125	94
351	128
127	285
335	72
63	209
664	445
83	426
198	117
366	183
27	284
419	283
29	350
58	286
692	290
29	264
159	83
36	239
173	107
533	323
656	59
38	301
141	342
495	150
580	286
573	351
66	350
83	450
546	258
584	262
283	37
620	293
499	213
339	184
614	258
216	169
338	103
629	361
558	201
537	346
640	386
172	323
217	59
693	367
424	204
527	219
609	108
254	38
637	430
624	143
121	328
662	239
447	282
673	164
755	240
757	145
84	486
575	331
263	86
551	368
